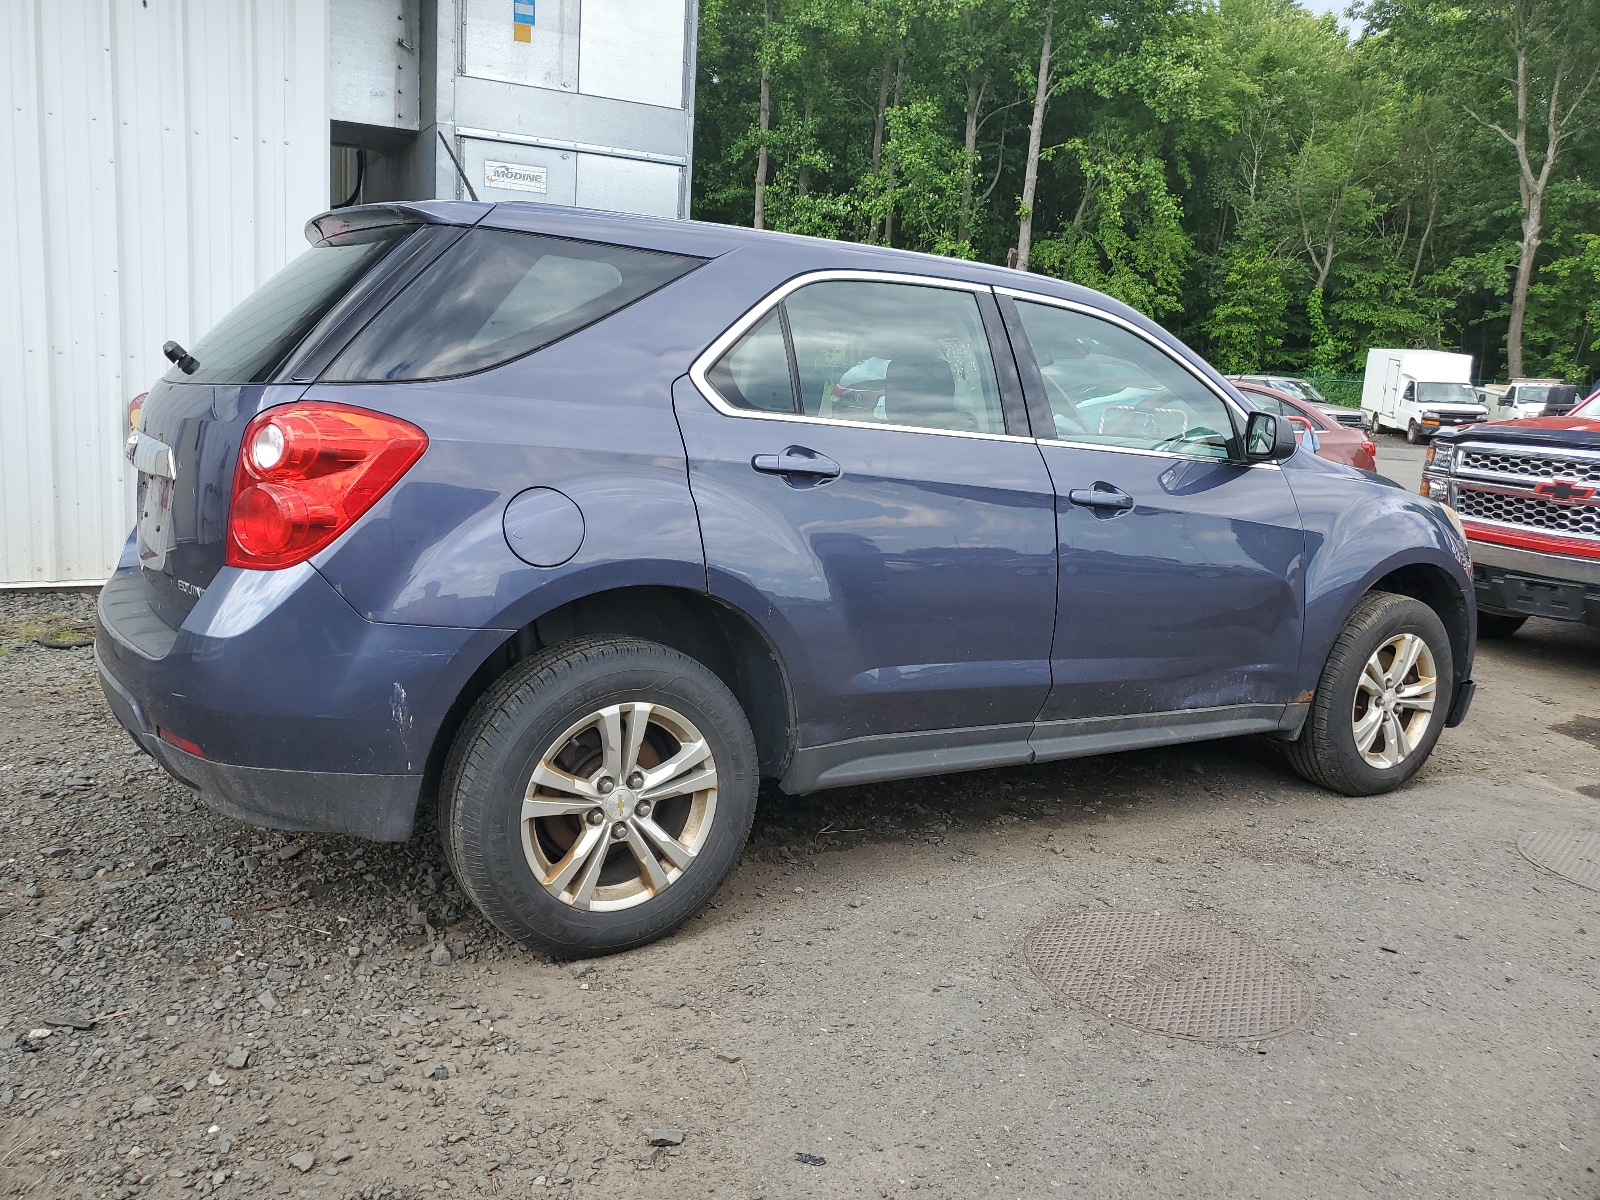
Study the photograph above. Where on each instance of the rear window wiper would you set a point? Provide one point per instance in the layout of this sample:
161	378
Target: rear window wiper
185	362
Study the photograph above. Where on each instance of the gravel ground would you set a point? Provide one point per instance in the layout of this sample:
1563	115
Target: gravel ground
247	1013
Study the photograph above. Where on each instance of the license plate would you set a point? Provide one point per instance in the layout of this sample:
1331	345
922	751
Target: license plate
1541	598
155	521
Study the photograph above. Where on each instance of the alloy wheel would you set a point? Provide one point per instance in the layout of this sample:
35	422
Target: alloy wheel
619	806
1394	700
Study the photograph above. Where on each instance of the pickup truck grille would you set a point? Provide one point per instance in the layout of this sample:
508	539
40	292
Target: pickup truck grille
1512	465
1531	511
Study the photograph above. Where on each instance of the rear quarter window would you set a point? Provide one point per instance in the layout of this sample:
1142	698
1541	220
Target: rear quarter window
496	296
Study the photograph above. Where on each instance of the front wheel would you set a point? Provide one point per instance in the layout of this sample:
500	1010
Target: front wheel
1414	434
598	795
1382	700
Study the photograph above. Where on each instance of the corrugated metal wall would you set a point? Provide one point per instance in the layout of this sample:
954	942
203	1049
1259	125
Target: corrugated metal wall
160	159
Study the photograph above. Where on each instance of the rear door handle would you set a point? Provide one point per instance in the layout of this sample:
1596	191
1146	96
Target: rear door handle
797	460
1102	495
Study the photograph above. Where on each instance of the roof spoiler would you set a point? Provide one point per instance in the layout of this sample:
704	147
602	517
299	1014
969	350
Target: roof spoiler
343	221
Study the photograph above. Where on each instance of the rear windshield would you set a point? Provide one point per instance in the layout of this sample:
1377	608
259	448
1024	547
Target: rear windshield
247	345
495	296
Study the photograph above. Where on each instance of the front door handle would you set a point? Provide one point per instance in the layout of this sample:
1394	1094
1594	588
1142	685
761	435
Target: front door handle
1101	495
797	461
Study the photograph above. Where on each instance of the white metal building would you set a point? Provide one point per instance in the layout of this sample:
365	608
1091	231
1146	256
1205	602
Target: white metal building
163	156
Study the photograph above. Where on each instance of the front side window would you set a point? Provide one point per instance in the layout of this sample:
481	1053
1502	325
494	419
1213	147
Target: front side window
249	343
495	296
755	373
1106	386
875	353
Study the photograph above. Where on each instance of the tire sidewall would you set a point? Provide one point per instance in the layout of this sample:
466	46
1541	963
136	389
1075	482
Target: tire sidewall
488	804
1416	618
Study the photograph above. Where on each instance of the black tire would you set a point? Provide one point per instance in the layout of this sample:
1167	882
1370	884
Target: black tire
1414	434
509	732
1369	422
1325	752
1496	625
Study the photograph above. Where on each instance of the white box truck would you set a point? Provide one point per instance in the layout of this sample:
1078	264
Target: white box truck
1418	392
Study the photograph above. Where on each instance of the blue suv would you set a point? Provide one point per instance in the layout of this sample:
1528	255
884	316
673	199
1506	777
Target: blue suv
579	526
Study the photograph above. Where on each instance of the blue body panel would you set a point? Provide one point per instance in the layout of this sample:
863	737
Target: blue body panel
1191	599
272	669
1360	528
916	591
940	583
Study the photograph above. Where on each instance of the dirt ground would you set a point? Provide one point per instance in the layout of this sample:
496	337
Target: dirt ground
313	1016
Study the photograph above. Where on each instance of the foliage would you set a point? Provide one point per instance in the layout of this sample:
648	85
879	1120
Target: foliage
1280	192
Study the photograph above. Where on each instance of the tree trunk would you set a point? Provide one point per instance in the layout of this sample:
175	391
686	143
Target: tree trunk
1030	177
1531	187
1427	230
969	171
802	183
877	130
766	120
1532	213
888	216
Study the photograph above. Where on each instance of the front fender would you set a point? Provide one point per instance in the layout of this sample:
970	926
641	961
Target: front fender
1360	529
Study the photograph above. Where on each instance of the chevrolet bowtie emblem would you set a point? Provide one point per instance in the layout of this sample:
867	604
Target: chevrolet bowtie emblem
1560	489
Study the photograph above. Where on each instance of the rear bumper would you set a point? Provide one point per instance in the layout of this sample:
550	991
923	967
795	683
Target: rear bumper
1516	582
380	808
307	716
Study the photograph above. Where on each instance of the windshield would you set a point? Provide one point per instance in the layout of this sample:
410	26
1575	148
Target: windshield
247	345
1445	393
1533	395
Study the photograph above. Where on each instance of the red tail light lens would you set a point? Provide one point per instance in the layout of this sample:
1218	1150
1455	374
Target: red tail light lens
306	473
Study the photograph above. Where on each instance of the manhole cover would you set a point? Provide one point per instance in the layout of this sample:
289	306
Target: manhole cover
1170	975
1573	855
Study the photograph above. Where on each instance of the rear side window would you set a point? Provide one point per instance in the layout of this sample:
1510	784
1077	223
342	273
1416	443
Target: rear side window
249	343
495	296
905	355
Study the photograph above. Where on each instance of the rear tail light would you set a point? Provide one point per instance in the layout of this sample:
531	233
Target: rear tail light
182	743
136	409
1371	450
306	473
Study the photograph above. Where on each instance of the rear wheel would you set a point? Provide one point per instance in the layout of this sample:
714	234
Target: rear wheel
1382	700
1369	422
1495	625
598	795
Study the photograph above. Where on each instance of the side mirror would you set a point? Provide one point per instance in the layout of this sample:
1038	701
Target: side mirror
1268	438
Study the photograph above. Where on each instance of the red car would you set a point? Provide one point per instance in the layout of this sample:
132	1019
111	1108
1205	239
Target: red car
1337	443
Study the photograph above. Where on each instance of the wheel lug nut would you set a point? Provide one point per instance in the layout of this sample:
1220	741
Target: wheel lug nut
619	831
642	808
606	786
636	780
597	817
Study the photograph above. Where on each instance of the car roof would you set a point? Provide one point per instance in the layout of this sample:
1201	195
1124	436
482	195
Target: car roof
704	239
790	254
